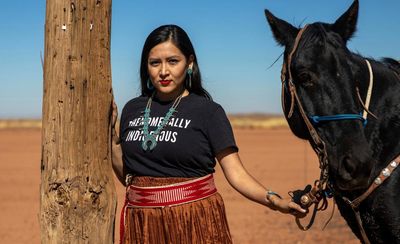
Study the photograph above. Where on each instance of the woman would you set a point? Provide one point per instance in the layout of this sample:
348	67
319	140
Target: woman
170	138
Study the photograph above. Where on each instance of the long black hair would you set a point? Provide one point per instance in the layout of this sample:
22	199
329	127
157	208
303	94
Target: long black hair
181	40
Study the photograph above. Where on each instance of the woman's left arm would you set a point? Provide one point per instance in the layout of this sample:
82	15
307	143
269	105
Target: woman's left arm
240	179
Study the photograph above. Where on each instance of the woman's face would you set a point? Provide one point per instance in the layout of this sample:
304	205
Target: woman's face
167	67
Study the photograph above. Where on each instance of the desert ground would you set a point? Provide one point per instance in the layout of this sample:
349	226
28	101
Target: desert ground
273	156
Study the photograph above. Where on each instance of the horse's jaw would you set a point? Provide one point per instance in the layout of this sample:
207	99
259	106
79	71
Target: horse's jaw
347	187
298	127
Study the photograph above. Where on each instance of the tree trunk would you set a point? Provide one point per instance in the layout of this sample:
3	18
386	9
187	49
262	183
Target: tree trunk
78	197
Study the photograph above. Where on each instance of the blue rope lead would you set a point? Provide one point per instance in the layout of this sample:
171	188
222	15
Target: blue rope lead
318	119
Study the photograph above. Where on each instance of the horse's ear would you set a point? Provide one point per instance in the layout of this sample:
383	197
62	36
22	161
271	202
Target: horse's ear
346	24
284	33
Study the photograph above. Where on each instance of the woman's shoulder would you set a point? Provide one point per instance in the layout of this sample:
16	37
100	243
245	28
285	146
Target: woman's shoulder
134	103
203	103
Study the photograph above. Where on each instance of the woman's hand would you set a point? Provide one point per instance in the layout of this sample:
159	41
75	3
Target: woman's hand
286	205
114	117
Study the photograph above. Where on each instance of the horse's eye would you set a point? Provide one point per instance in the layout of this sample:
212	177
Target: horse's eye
306	79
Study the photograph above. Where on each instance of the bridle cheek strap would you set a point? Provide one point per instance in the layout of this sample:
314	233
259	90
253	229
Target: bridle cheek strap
286	70
318	143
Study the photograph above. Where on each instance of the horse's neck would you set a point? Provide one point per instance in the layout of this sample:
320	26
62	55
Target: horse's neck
383	133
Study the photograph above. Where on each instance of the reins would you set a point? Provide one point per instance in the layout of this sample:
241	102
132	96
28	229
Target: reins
315	195
321	189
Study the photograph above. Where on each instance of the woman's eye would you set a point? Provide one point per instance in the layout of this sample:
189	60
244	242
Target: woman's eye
173	61
154	63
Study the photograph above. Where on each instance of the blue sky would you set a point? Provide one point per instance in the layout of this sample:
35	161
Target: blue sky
233	43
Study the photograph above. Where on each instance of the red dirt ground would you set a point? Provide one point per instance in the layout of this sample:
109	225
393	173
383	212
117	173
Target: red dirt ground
275	157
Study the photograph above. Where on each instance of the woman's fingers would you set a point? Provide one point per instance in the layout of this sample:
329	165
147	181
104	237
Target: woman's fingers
114	113
296	210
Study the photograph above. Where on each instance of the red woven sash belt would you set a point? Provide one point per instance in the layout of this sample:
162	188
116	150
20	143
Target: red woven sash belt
170	195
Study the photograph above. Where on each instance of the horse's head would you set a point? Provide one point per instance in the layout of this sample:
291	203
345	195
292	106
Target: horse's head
323	72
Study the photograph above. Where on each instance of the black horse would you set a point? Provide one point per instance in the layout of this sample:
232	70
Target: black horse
330	84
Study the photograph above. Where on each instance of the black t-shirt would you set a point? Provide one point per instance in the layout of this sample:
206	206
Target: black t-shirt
186	146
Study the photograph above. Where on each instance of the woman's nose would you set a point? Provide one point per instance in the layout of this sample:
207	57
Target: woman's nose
164	71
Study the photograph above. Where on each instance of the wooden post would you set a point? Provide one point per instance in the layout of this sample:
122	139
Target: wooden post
78	197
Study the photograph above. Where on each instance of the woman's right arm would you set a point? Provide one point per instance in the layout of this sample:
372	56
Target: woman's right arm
116	153
117	163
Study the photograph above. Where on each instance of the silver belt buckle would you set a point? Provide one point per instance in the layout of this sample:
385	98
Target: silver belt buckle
128	179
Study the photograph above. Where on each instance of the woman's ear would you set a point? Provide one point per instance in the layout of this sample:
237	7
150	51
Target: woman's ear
191	62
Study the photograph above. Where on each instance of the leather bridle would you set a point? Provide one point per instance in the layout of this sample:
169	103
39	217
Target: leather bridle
321	187
316	193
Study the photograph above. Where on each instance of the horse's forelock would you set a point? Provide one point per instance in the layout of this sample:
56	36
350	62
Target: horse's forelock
322	34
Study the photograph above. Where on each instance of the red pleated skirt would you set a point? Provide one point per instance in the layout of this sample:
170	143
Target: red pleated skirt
198	222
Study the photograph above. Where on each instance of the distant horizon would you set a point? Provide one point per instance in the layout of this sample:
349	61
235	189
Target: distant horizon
255	114
252	121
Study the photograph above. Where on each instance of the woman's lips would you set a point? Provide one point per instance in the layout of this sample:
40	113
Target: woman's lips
165	82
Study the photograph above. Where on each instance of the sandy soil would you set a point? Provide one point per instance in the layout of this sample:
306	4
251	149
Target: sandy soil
275	157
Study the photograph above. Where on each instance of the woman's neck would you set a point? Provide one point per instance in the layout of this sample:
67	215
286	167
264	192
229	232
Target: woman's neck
171	96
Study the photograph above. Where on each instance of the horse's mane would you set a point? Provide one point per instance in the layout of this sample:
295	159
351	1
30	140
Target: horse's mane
319	33
386	62
392	64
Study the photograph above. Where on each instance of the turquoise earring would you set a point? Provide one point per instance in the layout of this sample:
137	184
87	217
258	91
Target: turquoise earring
149	85
189	80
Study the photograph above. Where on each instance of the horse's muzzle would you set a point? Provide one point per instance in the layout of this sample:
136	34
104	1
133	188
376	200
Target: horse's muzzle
352	173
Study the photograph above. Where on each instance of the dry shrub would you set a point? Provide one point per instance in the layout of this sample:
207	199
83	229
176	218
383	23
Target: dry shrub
257	122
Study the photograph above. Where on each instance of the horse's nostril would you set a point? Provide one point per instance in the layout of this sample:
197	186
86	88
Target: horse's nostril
347	168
